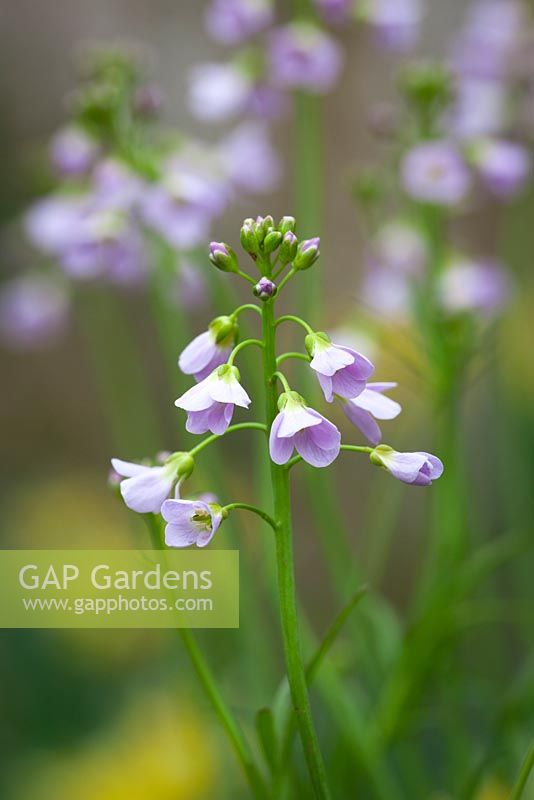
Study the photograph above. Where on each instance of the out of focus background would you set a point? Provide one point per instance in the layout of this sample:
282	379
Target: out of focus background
113	714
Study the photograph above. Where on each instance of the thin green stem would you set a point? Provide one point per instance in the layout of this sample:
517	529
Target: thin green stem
279	271
293	318
286	578
237	349
526	769
282	378
354	448
246	277
246	307
241	426
285	356
287	278
254	509
209	685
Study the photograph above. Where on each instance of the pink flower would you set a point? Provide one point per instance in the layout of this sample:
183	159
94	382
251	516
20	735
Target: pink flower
419	469
190	522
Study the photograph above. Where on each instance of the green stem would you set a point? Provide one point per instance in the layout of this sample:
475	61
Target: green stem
241	346
282	378
254	509
247	307
209	685
293	318
526	769
285	356
241	426
286	279
286	577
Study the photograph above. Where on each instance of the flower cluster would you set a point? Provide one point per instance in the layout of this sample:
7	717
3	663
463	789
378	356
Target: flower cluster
295	430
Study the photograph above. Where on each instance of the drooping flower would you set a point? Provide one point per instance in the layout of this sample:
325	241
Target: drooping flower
190	522
371	404
340	370
504	166
467	285
298	427
418	469
210	349
435	172
218	92
146	487
231	22
210	404
33	312
73	152
302	56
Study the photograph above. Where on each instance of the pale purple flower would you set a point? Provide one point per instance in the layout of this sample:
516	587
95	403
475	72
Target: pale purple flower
371	404
210	404
144	488
250	160
480	108
115	187
400	246
298	427
334	12
73	152
435	172
55	222
466	285
267	102
231	22
504	166
302	56
210	349
218	92
396	23
33	312
182	225
418	469
340	370
190	522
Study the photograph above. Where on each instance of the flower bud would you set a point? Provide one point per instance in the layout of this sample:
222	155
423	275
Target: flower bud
247	235
287	224
183	463
288	248
223	257
307	253
265	289
225	329
272	241
262	227
427	86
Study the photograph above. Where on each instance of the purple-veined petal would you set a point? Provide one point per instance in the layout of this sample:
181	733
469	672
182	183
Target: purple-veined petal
363	421
311	452
328	360
363	368
326	385
347	385
296	418
198	354
178	536
280	448
225	390
377	404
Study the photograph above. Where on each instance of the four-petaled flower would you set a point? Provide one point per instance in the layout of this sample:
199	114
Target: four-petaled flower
371	404
190	521
340	370
298	427
210	404
419	469
210	349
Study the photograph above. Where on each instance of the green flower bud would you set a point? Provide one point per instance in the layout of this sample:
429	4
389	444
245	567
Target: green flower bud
223	257
287	224
288	248
272	241
307	253
248	238
225	329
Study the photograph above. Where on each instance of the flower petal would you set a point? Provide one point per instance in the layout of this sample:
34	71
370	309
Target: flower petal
229	390
328	360
280	448
127	469
362	367
312	453
177	536
296	417
198	354
146	491
377	404
197	398
364	421
179	511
